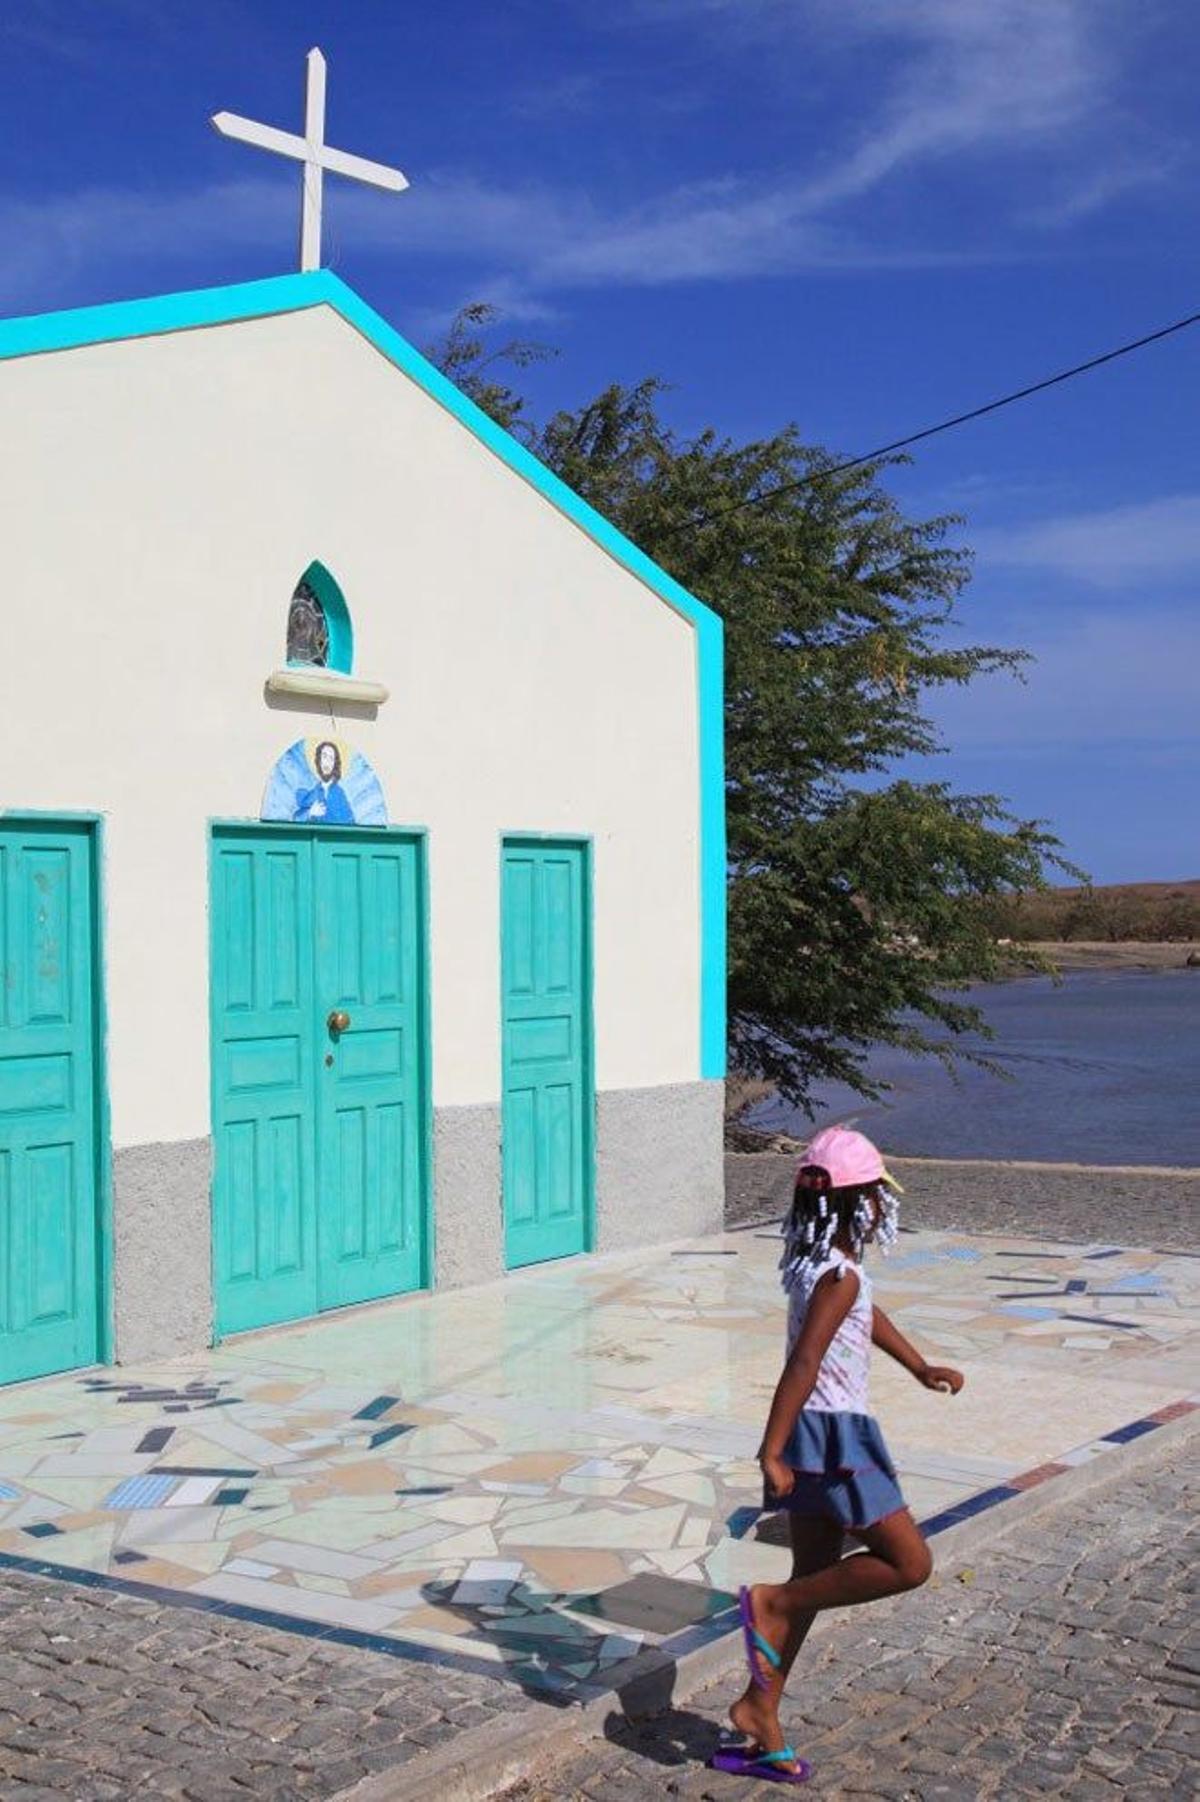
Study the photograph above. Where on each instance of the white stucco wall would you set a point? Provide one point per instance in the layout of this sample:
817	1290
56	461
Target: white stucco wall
161	498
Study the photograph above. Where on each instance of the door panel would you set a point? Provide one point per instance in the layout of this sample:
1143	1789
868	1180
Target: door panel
369	966
548	1095
49	1107
264	1205
319	1190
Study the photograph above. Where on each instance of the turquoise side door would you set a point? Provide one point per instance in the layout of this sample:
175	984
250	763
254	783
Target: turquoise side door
50	1312
548	1098
320	1181
371	1124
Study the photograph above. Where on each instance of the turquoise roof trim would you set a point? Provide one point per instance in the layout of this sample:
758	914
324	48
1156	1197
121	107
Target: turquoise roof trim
291	293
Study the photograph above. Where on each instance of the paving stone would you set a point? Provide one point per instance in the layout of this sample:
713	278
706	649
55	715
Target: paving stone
994	1724
137	1696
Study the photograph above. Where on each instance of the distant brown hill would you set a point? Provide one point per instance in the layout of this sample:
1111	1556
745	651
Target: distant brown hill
1188	885
1149	911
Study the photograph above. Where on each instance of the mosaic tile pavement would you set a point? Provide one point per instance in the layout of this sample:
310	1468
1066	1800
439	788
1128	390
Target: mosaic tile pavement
541	1477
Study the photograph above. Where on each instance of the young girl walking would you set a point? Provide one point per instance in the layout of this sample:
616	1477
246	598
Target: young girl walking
823	1457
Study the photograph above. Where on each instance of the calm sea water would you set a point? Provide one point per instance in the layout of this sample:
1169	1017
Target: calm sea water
1102	1069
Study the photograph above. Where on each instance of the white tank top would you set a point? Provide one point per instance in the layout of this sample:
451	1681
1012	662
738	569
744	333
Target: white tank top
841	1385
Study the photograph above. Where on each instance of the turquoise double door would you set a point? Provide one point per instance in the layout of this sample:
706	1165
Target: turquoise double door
320	1085
51	1085
548	1082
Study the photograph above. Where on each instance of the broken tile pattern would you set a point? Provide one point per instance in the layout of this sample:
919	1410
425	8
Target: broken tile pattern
541	1478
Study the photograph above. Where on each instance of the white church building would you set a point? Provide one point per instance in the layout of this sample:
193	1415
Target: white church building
362	857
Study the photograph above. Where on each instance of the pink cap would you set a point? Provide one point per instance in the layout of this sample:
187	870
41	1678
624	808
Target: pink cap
850	1158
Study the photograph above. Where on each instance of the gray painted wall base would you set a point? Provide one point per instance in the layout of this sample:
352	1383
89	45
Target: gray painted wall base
659	1176
660	1170
468	1223
162	1258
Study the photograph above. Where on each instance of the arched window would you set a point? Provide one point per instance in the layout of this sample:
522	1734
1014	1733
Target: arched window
319	633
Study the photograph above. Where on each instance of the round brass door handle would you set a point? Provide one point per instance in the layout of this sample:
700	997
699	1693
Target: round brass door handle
338	1021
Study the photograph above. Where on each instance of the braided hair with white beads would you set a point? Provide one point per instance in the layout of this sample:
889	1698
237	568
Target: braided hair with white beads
821	1215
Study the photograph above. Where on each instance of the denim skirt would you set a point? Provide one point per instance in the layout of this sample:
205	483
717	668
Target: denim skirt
844	1472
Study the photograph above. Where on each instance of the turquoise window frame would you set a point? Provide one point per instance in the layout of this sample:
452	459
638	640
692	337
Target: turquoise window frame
340	655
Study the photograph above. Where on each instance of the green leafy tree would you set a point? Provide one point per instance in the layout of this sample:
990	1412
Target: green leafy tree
858	902
471	362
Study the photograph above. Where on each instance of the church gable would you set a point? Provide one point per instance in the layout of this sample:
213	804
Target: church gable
154	317
430	461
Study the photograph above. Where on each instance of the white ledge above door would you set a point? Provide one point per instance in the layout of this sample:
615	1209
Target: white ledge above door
326	685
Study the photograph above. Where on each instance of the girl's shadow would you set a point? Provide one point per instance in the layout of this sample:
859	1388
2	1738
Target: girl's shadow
546	1649
671	1738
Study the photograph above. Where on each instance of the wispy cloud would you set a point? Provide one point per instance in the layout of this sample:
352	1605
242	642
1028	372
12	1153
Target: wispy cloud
941	81
51	241
1080	195
1119	547
939	78
1127	676
1010	73
524	242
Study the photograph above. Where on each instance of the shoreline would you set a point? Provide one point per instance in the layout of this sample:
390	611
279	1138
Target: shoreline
1074	956
921	1160
1095	1204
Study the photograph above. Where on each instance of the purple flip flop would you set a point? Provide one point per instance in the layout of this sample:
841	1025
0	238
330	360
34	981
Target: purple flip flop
756	1646
766	1766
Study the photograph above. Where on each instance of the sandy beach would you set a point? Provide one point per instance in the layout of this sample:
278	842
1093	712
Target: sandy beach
1069	955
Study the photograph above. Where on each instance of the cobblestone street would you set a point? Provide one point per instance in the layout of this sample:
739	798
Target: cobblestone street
103	1696
1065	1663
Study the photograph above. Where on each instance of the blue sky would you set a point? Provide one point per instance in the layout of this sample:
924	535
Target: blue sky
858	215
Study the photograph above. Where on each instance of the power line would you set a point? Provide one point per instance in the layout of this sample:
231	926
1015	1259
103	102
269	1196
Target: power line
931	431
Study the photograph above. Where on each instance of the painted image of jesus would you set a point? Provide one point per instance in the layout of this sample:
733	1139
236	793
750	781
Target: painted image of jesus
326	800
324	782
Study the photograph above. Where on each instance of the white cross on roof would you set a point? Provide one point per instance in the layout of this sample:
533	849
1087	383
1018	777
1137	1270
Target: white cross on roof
312	151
